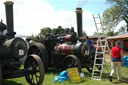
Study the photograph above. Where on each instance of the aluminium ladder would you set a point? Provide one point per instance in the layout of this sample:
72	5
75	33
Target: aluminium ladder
99	55
98	23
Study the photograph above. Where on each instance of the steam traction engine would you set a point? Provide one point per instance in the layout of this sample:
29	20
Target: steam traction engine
13	50
64	51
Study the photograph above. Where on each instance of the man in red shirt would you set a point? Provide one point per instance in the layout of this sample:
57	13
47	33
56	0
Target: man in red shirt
117	60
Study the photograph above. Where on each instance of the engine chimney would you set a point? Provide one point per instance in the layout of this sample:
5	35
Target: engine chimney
79	21
9	18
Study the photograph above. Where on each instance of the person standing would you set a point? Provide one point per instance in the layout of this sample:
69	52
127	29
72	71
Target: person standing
92	48
117	60
91	45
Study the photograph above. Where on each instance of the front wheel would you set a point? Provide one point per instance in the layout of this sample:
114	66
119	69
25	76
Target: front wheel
90	69
72	61
35	67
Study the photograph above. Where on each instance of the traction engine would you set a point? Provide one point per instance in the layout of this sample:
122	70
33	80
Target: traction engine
12	52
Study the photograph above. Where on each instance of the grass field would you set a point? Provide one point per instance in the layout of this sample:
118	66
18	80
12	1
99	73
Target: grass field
49	76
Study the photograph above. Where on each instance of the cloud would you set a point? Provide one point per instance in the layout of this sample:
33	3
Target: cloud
32	15
88	23
122	23
2	11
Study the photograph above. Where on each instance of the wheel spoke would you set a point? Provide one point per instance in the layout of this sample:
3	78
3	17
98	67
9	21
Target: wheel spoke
37	78
37	69
34	79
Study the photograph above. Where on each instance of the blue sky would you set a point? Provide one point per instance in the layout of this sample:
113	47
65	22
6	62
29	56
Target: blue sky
32	15
94	6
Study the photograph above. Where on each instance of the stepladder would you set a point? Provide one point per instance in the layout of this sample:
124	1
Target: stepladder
102	48
98	24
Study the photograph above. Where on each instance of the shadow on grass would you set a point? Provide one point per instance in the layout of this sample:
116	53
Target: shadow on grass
9	82
124	80
53	70
81	81
106	77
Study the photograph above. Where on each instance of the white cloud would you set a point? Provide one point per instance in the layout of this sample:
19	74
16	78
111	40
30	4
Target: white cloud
2	11
122	23
88	23
31	15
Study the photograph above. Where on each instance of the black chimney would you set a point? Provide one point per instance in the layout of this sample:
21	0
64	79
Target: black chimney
79	21
9	18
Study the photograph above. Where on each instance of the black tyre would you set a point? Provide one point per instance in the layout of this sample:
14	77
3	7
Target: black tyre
92	61
35	67
72	61
40	50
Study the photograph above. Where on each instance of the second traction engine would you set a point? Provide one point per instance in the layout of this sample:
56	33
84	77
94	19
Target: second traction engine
65	51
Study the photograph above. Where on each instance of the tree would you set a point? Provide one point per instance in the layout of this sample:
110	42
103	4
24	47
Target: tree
112	33
115	14
97	34
60	31
33	37
122	30
45	31
84	34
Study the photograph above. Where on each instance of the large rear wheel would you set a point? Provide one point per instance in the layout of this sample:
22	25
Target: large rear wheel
35	67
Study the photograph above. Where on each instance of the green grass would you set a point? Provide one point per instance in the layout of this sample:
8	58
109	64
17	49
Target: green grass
49	76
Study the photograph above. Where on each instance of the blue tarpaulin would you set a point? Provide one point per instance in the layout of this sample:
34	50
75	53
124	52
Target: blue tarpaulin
125	61
63	76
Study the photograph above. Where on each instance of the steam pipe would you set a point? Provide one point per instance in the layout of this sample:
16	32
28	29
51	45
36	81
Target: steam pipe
9	18
79	21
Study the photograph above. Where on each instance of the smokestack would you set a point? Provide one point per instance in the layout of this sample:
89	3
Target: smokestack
9	18
79	21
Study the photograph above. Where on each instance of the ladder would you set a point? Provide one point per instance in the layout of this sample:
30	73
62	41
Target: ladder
98	23
99	56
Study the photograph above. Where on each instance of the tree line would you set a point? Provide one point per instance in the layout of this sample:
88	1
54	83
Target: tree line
52	31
